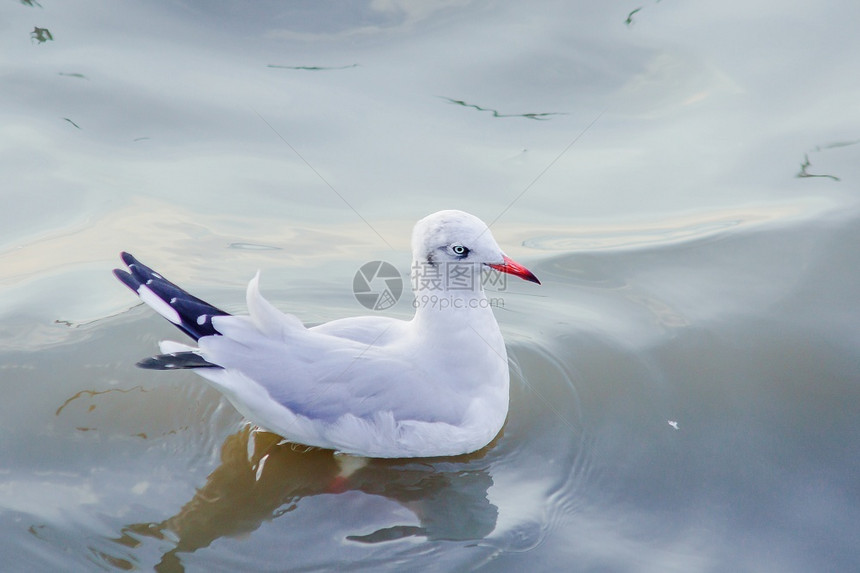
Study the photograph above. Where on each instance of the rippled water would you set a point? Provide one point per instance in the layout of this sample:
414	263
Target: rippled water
682	178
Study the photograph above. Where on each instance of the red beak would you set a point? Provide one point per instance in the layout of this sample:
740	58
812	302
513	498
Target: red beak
514	268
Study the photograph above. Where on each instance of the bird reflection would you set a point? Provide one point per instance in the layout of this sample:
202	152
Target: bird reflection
261	477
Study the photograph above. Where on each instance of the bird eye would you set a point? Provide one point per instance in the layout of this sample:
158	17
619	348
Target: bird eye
459	250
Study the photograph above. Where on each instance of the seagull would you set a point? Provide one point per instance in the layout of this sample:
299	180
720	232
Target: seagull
370	386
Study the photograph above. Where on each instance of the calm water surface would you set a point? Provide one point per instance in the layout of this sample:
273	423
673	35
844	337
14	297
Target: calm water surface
682	177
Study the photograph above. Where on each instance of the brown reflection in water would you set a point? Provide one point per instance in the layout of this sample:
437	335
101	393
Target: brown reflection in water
92	393
262	477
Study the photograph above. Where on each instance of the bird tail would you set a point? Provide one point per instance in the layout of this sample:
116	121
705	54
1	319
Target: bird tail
176	361
190	314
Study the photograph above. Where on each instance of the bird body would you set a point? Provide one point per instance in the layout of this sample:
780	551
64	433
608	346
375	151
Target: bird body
375	386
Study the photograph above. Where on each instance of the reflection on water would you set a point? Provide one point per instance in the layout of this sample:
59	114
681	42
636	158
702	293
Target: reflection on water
496	113
630	20
804	171
75	125
261	478
804	167
632	13
312	68
253	247
739	341
41	35
618	235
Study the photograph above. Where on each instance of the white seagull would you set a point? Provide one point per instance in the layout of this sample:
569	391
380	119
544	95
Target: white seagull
373	386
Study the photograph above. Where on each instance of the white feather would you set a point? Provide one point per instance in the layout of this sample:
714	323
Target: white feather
158	305
372	386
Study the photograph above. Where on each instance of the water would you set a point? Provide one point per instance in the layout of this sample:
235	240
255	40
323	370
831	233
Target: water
684	184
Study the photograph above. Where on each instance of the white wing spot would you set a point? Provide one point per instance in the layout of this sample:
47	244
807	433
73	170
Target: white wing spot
201	320
173	300
158	276
157	304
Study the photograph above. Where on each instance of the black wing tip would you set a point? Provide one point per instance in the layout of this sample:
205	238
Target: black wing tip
127	279
175	361
195	315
